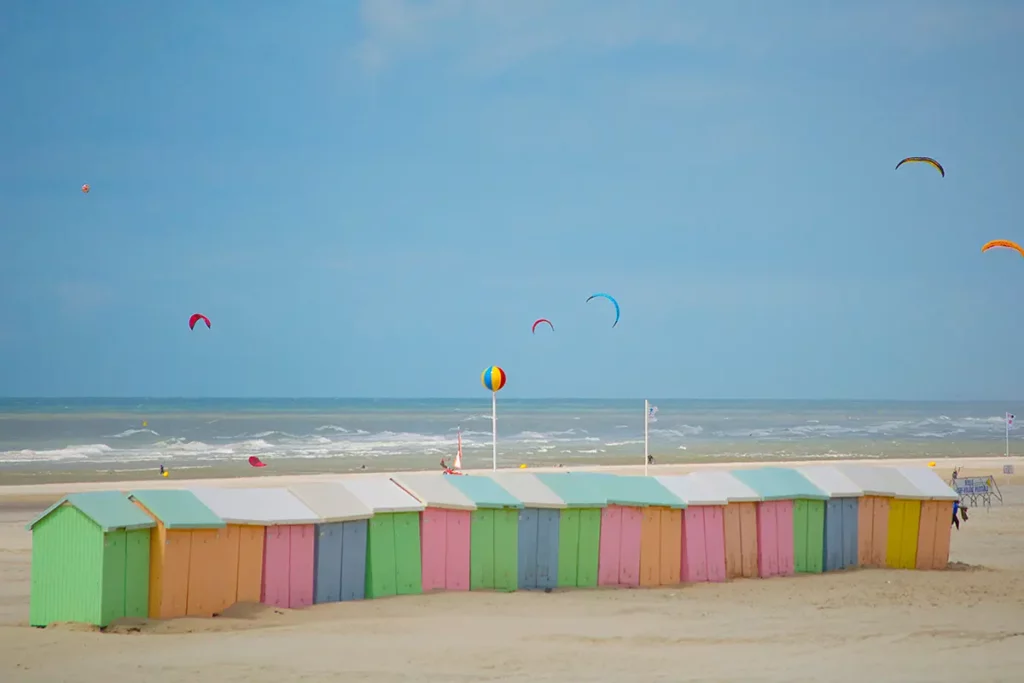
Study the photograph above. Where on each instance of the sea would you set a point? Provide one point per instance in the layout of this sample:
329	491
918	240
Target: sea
109	434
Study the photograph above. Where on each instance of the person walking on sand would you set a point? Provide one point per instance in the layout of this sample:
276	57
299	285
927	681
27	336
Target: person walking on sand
963	513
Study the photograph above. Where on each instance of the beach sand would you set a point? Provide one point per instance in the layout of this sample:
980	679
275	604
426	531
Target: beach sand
963	624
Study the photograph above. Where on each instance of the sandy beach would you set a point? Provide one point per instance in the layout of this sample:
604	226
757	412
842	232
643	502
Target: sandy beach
963	624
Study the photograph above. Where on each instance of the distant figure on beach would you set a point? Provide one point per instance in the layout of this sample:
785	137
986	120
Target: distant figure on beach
963	513
443	465
650	459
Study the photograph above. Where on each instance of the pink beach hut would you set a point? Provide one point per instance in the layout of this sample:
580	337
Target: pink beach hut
289	538
445	525
703	528
740	520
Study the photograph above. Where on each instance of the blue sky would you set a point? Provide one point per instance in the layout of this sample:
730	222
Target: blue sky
378	198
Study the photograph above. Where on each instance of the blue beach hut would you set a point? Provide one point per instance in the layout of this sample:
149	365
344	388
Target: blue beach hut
538	528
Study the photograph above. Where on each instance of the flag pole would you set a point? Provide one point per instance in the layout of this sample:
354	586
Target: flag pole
647	424
494	430
1007	421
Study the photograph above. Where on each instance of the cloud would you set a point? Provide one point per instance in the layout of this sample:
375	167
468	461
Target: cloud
80	298
491	35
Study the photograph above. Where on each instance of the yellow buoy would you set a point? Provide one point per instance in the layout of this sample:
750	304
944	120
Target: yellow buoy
166	473
145	424
523	466
931	464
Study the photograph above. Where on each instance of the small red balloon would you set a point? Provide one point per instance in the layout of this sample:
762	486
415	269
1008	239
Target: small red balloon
85	189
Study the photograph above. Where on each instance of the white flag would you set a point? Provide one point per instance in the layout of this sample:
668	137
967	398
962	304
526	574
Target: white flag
1009	419
651	413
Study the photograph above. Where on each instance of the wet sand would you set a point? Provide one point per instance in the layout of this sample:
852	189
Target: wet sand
962	624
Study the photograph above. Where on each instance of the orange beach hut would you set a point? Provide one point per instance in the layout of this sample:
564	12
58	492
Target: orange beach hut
276	543
740	521
703	528
190	556
886	533
936	515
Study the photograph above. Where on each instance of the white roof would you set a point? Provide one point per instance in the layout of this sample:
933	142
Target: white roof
433	490
928	483
381	494
331	501
831	480
693	491
264	507
880	480
529	489
727	486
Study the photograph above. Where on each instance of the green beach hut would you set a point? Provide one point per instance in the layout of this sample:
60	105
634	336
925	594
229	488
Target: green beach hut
393	562
493	534
579	534
90	560
790	521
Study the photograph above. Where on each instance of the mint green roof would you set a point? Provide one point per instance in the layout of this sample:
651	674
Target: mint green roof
576	491
634	491
779	483
484	491
108	509
178	509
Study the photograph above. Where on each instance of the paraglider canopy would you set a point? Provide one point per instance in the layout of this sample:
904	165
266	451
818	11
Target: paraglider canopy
538	322
256	462
610	298
1006	244
924	160
196	317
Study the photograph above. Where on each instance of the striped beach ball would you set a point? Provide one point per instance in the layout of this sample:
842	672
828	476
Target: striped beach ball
493	378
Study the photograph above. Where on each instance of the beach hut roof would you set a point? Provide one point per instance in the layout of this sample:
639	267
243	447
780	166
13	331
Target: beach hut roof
178	509
574	490
108	509
831	480
725	484
779	483
331	501
880	481
261	507
634	491
693	491
529	489
434	490
485	492
381	494
928	483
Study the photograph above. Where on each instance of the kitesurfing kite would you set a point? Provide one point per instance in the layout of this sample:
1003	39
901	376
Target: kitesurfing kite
610	298
924	160
538	322
256	462
196	317
1002	243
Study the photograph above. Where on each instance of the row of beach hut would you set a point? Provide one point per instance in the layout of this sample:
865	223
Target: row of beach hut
161	554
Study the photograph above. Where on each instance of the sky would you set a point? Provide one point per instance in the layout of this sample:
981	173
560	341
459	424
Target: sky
377	199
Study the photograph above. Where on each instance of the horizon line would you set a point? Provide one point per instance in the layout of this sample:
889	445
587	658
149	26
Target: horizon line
519	398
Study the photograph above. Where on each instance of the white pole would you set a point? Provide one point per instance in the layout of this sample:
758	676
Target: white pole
647	422
1007	421
494	430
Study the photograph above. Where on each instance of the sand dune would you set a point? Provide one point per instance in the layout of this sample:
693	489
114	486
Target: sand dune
963	624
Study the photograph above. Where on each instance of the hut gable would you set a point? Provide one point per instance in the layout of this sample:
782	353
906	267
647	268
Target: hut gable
331	502
381	494
575	489
485	492
109	510
880	481
831	480
434	490
529	490
780	483
178	509
928	483
693	491
261	507
640	492
734	490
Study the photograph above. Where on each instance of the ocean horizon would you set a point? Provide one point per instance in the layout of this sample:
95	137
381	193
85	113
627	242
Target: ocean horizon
122	434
